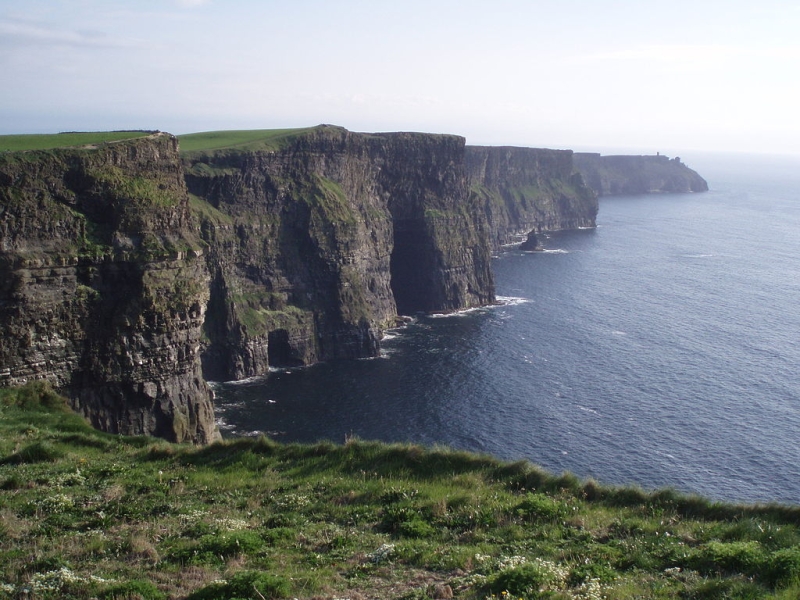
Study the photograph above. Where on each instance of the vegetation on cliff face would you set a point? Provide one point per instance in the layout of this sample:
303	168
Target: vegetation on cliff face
91	515
524	190
104	288
332	229
129	273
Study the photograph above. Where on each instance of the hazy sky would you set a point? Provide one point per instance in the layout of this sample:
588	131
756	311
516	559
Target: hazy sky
671	75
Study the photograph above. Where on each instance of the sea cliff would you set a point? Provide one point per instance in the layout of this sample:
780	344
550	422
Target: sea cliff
528	190
132	273
317	244
103	286
612	175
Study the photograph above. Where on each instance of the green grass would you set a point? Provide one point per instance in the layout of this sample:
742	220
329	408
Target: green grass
85	514
246	139
50	141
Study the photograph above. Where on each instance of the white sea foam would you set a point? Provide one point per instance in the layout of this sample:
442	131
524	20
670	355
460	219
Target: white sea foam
223	406
247	380
223	425
500	302
511	300
254	433
458	313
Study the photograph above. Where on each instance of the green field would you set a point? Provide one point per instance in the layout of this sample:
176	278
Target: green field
50	141
250	139
85	514
204	142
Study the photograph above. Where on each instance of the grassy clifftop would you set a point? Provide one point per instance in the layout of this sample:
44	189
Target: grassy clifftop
51	141
89	515
245	140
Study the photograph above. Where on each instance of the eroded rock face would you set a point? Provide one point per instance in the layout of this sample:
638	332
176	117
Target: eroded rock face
528	190
104	287
316	247
127	289
608	175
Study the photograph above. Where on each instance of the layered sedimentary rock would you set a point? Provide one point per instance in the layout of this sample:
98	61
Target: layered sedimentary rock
315	246
130	274
527	190
103	287
608	175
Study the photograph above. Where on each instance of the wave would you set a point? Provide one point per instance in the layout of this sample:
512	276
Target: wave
459	313
250	380
511	301
224	406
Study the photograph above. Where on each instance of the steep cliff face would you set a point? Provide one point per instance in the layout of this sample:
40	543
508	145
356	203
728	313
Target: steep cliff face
130	274
528	190
103	285
609	175
441	260
316	245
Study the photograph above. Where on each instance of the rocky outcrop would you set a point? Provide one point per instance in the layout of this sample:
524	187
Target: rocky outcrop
103	286
527	190
609	175
316	246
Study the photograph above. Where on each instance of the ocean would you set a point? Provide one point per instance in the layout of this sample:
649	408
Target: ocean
660	349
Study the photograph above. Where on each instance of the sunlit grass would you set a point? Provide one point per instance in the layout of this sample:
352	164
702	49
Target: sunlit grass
244	139
50	141
89	515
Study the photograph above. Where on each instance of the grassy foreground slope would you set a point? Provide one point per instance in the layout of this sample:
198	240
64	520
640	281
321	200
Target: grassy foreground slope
89	515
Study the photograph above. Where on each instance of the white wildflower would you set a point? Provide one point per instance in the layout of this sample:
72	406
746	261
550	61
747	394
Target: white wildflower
557	574
68	479
590	590
56	503
192	516
53	581
293	501
230	524
382	554
510	562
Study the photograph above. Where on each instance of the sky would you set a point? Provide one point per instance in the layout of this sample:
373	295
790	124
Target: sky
670	76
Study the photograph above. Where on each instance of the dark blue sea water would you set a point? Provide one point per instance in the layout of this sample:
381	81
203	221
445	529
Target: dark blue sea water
660	349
